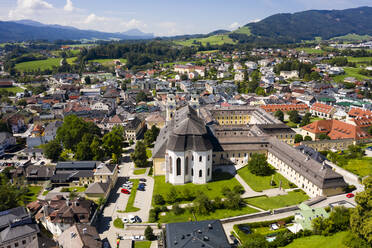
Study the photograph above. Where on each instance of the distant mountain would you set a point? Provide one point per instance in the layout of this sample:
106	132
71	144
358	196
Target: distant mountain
308	25
26	30
220	31
138	33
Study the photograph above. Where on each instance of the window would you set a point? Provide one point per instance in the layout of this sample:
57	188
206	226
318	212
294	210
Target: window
200	158
187	166
192	172
170	165
200	173
178	164
209	158
16	244
221	155
208	171
192	158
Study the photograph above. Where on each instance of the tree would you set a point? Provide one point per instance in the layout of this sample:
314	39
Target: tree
308	138
113	142
305	120
260	91
172	195
141	97
177	210
97	151
361	216
83	150
73	129
370	130
298	138
279	115
258	165
202	205
22	102
323	136
53	150
4	127
151	135
10	196
294	116
139	156
159	199
87	80
149	233
187	194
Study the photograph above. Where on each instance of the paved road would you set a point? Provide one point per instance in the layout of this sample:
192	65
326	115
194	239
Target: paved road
118	201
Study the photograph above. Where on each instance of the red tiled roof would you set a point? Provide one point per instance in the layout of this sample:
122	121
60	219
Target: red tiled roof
337	130
358	112
321	107
363	121
284	107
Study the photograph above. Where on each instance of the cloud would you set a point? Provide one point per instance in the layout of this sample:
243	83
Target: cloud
27	7
69	6
234	25
93	18
168	29
133	23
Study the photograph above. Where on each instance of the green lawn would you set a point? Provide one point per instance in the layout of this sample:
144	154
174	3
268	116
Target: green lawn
310	50
334	241
33	192
41	64
313	119
170	217
264	202
108	62
142	244
45	192
211	189
74	189
260	183
350	72
291	124
132	197
361	167
14	89
139	171
213	40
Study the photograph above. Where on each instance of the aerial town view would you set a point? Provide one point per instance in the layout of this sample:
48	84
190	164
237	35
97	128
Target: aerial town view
216	124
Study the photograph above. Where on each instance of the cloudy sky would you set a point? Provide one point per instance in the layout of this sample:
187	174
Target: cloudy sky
161	17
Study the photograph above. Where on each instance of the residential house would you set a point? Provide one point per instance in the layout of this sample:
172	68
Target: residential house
195	234
6	140
289	74
105	177
304	217
60	213
239	76
322	110
39	174
74	173
17	230
16	122
80	236
271	108
134	128
155	119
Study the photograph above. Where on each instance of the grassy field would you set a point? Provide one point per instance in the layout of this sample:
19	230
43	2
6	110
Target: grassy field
292	198
41	64
350	72
139	171
359	59
132	197
310	50
108	62
260	183
170	217
243	30
290	124
33	192
14	89
334	241
352	37
360	167
212	189
213	40
75	189
142	244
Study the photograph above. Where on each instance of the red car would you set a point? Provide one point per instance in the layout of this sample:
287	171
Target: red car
125	191
350	195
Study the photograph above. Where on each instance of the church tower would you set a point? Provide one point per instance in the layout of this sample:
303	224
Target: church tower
194	102
171	106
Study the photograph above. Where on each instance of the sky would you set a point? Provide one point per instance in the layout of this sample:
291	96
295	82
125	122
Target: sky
161	17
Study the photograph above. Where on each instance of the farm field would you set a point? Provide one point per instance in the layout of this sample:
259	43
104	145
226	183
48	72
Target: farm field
350	72
41	64
213	40
107	62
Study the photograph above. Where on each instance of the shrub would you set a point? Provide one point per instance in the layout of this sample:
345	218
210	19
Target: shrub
218	203
118	223
188	195
85	185
225	191
238	189
159	199
172	195
177	210
65	190
349	188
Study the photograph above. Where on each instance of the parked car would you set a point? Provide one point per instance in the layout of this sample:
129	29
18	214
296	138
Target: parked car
132	219
141	187
138	219
234	240
144	184
125	220
138	237
143	180
350	195
125	191
369	148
